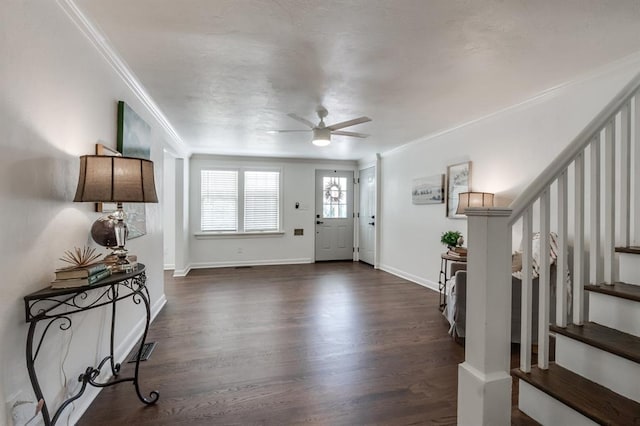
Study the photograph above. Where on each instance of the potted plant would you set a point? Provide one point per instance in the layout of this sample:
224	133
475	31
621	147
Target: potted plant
453	240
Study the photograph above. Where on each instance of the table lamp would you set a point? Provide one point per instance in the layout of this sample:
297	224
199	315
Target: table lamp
474	199
116	180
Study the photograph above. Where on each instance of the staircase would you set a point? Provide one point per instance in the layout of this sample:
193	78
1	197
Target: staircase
590	197
596	375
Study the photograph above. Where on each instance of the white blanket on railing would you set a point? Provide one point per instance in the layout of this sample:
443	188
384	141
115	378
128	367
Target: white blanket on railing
516	268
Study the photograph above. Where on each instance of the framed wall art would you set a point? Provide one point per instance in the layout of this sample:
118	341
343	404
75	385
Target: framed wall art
458	180
428	190
105	150
134	140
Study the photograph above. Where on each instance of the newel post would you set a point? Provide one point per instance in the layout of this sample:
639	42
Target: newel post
484	382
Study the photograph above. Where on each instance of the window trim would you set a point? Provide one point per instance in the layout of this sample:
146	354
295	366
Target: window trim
200	234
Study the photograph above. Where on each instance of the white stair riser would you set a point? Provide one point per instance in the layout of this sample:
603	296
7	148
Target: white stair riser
615	312
547	410
629	271
611	371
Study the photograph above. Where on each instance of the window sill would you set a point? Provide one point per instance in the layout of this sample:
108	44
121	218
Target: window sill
222	235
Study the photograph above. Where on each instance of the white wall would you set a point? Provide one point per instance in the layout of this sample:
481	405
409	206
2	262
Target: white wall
58	99
299	186
508	150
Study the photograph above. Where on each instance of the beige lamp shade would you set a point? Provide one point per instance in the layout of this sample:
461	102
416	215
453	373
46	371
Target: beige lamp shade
116	180
474	199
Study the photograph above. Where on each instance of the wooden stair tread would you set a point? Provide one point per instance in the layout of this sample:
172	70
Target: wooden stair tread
592	400
618	289
630	249
605	338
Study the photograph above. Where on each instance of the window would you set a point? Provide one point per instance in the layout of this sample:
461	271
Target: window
219	200
222	209
261	201
334	205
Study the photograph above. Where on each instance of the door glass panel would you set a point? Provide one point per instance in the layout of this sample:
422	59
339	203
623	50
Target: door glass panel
334	205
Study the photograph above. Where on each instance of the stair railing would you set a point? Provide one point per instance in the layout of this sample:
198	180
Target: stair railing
484	383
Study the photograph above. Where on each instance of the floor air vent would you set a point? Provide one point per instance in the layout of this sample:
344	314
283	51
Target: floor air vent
146	352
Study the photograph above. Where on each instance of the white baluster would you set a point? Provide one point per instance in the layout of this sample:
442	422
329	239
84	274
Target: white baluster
543	282
635	237
609	202
578	249
561	274
625	176
595	259
526	295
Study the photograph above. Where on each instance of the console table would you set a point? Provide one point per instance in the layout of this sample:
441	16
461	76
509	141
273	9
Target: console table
50	306
444	275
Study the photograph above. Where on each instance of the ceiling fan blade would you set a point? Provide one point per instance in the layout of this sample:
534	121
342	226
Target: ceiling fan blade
349	123
302	120
286	131
352	134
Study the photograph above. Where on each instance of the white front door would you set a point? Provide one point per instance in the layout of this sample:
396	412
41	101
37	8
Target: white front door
334	215
367	217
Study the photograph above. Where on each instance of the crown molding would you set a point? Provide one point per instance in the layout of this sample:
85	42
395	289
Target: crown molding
102	45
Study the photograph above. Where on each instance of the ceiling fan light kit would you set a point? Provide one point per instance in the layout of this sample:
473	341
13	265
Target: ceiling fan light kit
321	132
321	137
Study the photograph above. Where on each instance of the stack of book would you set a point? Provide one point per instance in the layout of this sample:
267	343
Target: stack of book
460	252
78	277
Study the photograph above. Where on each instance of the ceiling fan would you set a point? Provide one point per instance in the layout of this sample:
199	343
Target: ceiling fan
321	132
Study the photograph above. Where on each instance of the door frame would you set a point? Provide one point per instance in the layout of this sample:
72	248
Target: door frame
377	165
355	201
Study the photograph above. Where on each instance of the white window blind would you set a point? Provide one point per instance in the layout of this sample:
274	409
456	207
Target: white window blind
219	200
261	201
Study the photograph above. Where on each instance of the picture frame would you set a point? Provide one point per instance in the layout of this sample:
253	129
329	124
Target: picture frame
458	180
133	140
428	190
105	150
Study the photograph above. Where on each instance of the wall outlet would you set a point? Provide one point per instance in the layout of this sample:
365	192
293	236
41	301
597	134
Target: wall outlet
298	231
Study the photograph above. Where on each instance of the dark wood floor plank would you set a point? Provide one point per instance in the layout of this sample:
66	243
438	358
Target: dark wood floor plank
320	344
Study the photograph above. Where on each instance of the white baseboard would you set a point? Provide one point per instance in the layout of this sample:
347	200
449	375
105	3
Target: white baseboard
169	267
410	277
235	263
182	272
82	405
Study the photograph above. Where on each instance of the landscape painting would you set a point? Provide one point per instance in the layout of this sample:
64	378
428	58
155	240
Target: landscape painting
458	180
428	190
134	140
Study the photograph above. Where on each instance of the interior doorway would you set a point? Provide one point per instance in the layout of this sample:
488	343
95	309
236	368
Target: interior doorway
367	216
334	215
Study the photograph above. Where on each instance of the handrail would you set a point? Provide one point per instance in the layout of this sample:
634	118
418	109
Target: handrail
579	143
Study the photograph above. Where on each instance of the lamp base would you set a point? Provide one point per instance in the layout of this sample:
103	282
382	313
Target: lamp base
118	260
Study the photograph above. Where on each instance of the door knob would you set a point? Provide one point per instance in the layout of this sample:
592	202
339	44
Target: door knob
372	223
318	222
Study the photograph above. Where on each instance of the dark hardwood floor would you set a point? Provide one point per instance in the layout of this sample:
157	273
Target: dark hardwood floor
322	344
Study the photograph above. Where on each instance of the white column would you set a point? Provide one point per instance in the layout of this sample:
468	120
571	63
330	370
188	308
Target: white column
484	383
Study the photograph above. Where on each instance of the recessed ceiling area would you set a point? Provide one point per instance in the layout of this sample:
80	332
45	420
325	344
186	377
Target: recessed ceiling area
225	72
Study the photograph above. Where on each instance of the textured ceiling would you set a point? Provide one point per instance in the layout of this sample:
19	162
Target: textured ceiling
226	71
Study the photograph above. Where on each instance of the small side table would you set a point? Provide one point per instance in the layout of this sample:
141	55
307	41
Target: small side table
445	275
51	306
